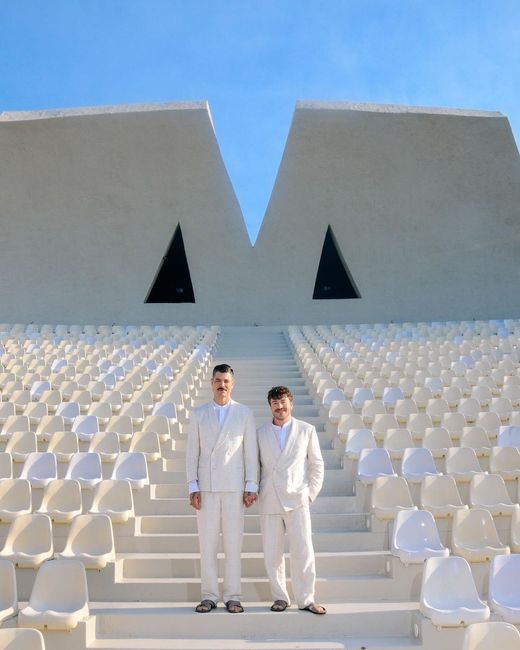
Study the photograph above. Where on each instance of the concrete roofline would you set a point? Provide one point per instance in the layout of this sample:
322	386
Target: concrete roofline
86	111
390	108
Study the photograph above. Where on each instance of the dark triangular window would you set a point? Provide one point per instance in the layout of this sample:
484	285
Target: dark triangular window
333	280
172	282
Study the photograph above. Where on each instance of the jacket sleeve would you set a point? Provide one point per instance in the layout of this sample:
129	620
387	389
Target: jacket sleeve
315	467
250	449
192	449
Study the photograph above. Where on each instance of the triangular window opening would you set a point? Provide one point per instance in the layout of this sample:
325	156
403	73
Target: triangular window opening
333	279
172	282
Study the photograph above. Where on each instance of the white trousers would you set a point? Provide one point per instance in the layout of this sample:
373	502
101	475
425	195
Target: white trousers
218	508
297	524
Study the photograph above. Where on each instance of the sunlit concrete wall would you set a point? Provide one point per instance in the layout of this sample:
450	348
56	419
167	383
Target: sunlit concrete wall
89	201
424	205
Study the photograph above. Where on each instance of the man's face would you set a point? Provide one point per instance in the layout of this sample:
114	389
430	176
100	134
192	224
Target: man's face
222	384
281	410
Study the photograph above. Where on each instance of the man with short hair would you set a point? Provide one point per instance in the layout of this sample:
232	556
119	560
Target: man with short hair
291	476
222	473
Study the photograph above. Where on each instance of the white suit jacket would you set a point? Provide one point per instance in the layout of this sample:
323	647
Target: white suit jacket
291	477
222	459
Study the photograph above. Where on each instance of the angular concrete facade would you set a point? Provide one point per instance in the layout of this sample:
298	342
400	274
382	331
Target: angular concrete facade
89	201
424	206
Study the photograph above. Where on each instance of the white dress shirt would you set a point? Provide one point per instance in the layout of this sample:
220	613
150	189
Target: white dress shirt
281	433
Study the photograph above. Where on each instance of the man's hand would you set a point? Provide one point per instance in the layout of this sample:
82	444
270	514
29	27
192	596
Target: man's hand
195	500
249	499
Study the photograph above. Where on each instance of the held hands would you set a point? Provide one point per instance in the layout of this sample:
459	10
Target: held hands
195	500
249	498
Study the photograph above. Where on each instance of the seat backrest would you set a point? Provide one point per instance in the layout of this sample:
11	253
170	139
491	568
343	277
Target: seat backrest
508	436
417	460
504	577
488	488
447	582
415	528
8	592
390	491
86	465
439	490
62	494
462	459
15	494
113	494
474	526
39	464
6	465
358	439
19	638
30	534
494	635
437	438
374	461
91	533
130	465
60	585
504	458
397	439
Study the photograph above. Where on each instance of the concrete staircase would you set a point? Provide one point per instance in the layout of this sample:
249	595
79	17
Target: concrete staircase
146	599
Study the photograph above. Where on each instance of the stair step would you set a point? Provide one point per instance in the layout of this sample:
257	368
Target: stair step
257	623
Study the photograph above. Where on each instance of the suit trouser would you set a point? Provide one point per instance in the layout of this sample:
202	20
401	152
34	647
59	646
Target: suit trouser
297	523
216	508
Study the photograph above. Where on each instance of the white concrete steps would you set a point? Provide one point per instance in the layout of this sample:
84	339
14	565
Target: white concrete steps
171	524
180	506
353	540
163	626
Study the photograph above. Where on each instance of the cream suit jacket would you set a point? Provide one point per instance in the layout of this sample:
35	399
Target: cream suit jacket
222	459
291	477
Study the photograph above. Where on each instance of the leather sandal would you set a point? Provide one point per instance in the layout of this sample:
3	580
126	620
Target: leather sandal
314	609
234	607
205	606
279	606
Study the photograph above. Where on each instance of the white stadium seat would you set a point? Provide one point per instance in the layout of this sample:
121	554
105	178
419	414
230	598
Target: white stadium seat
415	537
373	463
21	639
29	541
417	463
440	495
61	500
449	596
506	462
358	439
90	540
503	592
15	498
390	494
40	469
474	536
132	467
115	499
8	592
489	491
491	636
59	598
85	467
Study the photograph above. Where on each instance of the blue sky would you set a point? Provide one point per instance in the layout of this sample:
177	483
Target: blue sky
253	59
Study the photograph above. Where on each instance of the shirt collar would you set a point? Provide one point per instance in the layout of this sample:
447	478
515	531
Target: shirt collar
283	427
